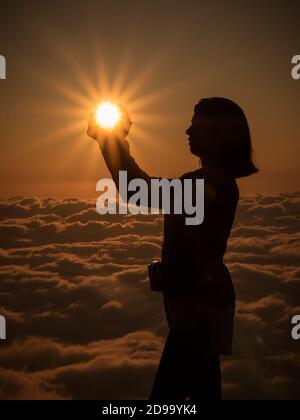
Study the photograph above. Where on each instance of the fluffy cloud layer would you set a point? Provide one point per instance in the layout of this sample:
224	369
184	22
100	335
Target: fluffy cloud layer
82	323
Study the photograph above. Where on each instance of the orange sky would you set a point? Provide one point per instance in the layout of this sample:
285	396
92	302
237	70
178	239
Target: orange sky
159	59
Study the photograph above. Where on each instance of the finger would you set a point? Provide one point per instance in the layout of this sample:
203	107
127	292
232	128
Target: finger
125	114
92	127
92	119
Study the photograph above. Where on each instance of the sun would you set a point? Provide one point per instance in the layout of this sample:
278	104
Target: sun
98	92
107	115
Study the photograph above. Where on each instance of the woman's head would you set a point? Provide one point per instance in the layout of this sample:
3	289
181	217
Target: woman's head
220	135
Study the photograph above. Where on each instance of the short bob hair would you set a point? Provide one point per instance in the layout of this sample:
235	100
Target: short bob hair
229	136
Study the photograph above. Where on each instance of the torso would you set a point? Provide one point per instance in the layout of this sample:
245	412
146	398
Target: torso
188	250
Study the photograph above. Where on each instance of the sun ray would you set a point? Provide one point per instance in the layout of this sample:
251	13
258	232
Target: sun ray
121	72
155	118
71	94
140	80
102	81
72	130
66	131
83	146
81	94
82	77
67	112
154	97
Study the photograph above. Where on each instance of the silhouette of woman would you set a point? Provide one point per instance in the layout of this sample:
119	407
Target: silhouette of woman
199	297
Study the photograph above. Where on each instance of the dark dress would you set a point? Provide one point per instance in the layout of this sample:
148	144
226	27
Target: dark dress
199	295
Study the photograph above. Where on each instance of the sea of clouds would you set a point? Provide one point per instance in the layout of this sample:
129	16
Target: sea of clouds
83	324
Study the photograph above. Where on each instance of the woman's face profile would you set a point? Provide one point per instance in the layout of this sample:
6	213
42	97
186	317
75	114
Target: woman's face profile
198	134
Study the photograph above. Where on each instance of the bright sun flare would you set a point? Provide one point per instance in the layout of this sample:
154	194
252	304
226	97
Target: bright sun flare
79	99
107	115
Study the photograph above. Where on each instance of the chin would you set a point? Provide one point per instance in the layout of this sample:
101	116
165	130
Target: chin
192	150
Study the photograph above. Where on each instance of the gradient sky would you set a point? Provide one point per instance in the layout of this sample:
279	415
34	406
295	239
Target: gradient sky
156	57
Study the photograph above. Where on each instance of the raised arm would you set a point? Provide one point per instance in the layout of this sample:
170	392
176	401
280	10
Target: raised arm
115	149
116	152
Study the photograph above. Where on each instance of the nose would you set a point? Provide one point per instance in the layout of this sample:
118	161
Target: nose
188	131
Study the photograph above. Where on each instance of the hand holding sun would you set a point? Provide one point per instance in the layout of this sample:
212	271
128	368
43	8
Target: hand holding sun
109	122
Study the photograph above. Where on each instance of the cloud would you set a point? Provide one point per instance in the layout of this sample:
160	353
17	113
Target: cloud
82	322
117	368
